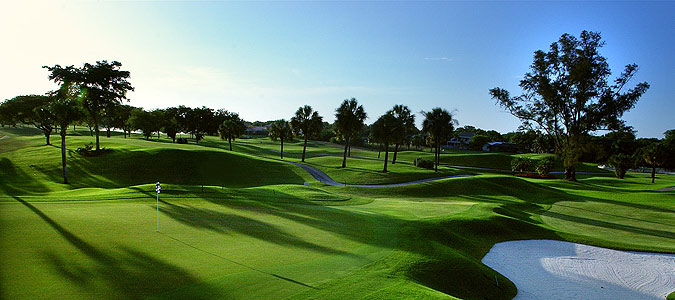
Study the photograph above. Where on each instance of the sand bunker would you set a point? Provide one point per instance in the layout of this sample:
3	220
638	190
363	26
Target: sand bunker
543	269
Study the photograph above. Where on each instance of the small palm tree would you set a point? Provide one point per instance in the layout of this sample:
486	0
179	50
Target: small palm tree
280	129
349	118
387	130
407	118
233	127
439	124
308	122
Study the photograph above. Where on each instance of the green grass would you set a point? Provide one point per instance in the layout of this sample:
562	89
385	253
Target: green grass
254	231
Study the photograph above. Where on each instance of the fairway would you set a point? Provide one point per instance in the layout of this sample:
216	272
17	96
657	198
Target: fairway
241	224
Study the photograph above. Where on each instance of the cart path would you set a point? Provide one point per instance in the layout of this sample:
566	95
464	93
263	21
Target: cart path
323	177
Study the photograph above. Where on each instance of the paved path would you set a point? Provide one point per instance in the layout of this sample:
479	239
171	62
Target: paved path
668	189
323	177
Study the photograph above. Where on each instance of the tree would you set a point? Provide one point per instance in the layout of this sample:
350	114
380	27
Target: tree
105	84
232	127
407	118
66	108
280	129
439	124
309	123
478	141
146	121
567	94
120	118
621	163
349	118
200	121
34	109
388	129
654	156
170	124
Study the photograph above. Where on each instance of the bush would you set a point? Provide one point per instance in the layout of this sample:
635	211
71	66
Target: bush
424	163
621	163
544	166
521	164
182	141
87	150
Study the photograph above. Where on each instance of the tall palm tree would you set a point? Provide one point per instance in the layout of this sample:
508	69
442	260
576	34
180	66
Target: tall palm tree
280	129
386	130
233	127
308	122
407	118
66	108
439	124
349	119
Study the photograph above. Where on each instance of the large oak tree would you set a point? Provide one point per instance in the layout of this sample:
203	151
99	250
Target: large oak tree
568	94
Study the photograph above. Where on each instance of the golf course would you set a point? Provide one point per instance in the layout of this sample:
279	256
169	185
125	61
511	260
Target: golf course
246	224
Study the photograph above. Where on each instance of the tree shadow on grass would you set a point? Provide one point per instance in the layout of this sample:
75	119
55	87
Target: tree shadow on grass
130	274
225	223
14	181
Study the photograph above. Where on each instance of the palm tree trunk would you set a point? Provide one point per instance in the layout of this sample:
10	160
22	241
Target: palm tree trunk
393	161
304	149
63	154
98	132
344	158
438	146
386	157
282	148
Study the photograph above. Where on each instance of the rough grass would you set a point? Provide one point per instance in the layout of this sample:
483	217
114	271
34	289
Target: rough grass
254	231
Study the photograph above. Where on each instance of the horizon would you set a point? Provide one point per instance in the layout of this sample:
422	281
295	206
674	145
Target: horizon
242	56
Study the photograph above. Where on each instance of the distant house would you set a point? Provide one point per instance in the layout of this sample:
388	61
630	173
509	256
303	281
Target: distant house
257	130
501	147
461	141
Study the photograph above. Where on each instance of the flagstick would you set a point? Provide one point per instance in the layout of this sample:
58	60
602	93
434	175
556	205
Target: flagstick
157	211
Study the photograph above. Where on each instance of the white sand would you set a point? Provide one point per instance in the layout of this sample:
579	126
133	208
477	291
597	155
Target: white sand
544	269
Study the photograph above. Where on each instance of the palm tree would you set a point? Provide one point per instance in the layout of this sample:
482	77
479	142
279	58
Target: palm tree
405	116
66	108
307	121
349	119
233	127
655	156
280	129
386	130
439	124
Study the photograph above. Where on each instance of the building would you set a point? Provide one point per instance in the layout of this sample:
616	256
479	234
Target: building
461	141
501	147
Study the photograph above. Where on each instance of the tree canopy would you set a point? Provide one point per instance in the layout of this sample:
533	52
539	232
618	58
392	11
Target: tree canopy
567	93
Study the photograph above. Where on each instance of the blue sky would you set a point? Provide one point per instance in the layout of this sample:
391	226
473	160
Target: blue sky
265	59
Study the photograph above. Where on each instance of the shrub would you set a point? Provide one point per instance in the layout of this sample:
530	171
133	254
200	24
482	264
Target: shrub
87	150
521	164
424	163
544	166
182	141
621	163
